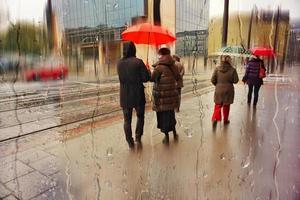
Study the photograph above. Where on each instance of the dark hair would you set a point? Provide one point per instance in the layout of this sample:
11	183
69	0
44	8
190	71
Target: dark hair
129	50
164	51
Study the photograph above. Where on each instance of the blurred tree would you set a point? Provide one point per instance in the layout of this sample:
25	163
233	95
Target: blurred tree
31	38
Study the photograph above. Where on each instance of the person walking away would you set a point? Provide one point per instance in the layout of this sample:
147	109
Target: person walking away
132	73
224	76
180	81
253	78
165	93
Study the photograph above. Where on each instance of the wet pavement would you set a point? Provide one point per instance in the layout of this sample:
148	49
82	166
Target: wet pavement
257	156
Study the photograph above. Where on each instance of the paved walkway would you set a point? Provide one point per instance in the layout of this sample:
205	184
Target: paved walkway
256	156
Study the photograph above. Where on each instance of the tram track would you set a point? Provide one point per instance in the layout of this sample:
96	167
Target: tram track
73	117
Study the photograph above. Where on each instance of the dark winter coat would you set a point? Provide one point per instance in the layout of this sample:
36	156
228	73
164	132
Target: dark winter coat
252	72
223	78
132	73
165	75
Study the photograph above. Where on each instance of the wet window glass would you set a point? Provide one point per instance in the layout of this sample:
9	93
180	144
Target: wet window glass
149	99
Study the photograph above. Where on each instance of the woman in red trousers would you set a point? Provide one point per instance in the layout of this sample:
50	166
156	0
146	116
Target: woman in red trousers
223	78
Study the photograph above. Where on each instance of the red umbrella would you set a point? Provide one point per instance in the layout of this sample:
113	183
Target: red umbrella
147	33
262	51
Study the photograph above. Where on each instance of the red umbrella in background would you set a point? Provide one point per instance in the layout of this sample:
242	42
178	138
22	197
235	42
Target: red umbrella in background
262	51
147	33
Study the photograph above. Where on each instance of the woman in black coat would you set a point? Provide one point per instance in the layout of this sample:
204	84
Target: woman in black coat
132	73
253	79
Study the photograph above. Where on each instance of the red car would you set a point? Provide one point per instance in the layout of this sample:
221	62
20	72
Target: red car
46	73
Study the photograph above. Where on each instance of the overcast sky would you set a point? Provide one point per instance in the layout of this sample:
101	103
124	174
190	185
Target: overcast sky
217	6
25	9
33	9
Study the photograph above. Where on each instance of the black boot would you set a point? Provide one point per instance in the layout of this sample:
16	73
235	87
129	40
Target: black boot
130	143
166	139
214	125
175	135
138	139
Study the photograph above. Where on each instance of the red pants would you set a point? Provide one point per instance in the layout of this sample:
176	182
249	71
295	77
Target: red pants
217	112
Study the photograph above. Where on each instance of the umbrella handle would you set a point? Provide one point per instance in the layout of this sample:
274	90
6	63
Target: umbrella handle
147	54
148	51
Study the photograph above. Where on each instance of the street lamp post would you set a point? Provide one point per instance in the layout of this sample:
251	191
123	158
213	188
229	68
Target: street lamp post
97	34
105	12
95	67
106	24
254	9
225	23
275	40
107	60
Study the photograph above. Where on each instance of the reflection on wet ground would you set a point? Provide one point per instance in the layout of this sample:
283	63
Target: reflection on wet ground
256	156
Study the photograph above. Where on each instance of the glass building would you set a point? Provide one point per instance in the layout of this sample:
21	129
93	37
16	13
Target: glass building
91	30
93	13
83	19
192	18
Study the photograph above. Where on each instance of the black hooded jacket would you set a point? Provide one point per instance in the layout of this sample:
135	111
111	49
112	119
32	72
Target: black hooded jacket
132	73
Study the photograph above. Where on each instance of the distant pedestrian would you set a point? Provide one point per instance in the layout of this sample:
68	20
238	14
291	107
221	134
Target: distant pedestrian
180	81
165	93
254	74
224	76
132	73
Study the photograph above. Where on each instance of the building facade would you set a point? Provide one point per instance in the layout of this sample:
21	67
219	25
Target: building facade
192	19
88	32
294	42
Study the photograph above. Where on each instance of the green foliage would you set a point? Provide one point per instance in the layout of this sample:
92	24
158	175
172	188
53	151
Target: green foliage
31	38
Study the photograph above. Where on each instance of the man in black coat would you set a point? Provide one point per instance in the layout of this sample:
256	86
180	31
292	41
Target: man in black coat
132	73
